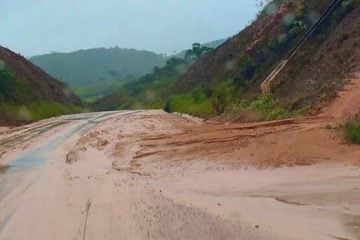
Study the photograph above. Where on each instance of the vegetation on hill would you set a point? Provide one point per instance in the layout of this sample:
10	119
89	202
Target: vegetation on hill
29	94
149	91
94	73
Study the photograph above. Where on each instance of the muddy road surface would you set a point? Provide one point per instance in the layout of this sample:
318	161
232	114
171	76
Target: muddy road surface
153	175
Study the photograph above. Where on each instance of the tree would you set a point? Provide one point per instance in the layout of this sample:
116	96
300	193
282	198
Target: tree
223	93
262	3
196	51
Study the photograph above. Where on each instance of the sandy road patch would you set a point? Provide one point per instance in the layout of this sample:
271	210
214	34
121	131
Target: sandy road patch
153	175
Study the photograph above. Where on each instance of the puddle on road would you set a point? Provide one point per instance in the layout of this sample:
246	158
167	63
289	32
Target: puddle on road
36	158
13	173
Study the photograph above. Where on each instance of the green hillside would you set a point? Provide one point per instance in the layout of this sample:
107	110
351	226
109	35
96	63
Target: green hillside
149	91
96	72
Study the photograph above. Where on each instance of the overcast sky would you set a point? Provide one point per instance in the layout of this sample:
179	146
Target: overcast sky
33	27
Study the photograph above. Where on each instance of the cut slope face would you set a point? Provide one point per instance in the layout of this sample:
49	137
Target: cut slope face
24	87
252	54
325	65
311	79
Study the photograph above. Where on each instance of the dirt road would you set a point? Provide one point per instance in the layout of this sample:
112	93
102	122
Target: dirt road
153	175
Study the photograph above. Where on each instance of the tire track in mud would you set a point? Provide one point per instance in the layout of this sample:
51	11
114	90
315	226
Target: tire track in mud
29	134
14	173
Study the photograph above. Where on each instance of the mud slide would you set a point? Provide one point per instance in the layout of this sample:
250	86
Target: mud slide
153	175
347	105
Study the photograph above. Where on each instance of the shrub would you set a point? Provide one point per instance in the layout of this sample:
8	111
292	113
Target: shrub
195	103
266	105
352	131
167	107
223	93
269	107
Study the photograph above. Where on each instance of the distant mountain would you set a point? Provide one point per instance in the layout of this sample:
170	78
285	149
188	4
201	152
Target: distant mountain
27	93
93	73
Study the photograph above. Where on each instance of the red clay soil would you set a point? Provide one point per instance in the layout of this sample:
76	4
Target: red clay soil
347	104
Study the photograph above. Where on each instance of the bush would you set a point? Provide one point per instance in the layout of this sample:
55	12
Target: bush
223	94
266	105
195	103
167	107
269	107
352	131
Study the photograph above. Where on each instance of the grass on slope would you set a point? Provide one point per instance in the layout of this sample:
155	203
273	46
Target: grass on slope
195	103
222	98
18	104
266	105
352	131
94	92
35	111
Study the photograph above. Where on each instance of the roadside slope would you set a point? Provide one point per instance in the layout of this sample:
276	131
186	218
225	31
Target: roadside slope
325	66
27	93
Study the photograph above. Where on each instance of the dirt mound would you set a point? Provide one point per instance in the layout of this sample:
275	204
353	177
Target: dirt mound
347	104
154	136
267	144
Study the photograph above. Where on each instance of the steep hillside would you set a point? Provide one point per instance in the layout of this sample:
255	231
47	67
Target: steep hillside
95	72
318	68
324	65
27	93
260	45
